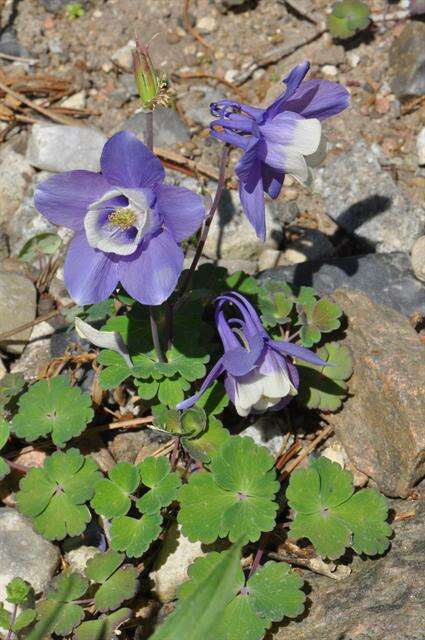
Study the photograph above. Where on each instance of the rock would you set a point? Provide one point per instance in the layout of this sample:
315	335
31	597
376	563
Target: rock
60	147
168	127
57	5
78	558
418	258
36	354
407	61
77	101
310	244
17	306
10	46
385	278
24	553
268	431
206	24
364	200
268	259
123	56
420	146
329	70
333	55
3	369
15	175
4	246
196	103
381	424
170	569
383	599
126	447
232	236
283	211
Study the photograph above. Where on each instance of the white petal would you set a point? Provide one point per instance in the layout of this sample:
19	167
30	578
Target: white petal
105	339
295	164
306	136
276	384
266	403
248	392
316	158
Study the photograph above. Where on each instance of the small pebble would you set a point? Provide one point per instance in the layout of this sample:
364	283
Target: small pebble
330	70
231	75
418	258
420	146
206	24
353	59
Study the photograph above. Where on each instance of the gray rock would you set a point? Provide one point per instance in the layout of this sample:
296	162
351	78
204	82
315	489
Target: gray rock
364	200
123	56
418	258
196	103
37	353
231	236
383	599
58	5
126	447
23	553
17	306
168	127
309	244
78	558
381	424
10	46
283	211
268	431
385	278
15	175
407	61
59	147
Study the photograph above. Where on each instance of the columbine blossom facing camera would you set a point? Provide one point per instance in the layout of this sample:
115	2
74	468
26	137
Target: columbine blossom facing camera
127	223
259	372
284	138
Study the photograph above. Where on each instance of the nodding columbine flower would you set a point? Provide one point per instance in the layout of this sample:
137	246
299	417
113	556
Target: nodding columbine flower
127	224
259	372
284	138
152	88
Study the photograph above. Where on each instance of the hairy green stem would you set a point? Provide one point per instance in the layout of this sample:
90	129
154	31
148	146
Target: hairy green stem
10	633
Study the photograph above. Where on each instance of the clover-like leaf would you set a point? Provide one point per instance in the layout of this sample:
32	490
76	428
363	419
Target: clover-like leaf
5	617
275	302
54	496
4	437
193	421
163	484
316	317
208	443
58	613
348	17
17	591
270	594
112	497
325	387
104	627
24	619
117	583
135	535
11	386
332	516
236	499
42	244
171	390
214	400
52	407
115	369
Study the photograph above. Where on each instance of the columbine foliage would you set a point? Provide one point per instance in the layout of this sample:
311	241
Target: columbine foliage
347	18
18	593
332	516
54	496
235	499
52	407
4	436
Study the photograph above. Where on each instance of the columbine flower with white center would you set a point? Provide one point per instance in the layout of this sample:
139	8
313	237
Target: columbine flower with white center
259	372
127	223
284	138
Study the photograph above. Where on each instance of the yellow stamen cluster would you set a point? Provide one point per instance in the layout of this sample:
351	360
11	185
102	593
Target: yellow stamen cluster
122	217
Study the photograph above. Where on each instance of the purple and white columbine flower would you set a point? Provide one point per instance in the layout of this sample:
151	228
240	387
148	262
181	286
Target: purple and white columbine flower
259	372
127	224
284	138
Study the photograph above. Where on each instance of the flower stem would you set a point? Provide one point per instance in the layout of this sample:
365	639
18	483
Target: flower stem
154	326
10	634
260	552
16	467
207	224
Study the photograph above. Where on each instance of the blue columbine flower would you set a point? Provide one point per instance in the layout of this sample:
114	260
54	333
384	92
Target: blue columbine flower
286	137
127	224
259	372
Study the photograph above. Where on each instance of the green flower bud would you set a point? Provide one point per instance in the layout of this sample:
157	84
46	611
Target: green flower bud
151	87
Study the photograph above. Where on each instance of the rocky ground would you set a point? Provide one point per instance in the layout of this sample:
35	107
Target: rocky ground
360	230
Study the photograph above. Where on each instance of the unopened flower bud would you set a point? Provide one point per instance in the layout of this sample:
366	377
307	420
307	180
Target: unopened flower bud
151	87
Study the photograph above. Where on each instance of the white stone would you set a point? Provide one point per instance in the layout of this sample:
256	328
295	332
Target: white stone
268	259
17	307
3	369
78	558
420	146
24	554
77	101
206	24
58	147
268	431
336	453
15	175
418	258
329	70
170	568
231	75
353	59
37	352
123	56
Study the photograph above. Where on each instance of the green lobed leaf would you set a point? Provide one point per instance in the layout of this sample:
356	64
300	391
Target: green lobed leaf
54	496
52	407
193	421
325	387
112	497
207	445
24	619
11	386
115	370
57	613
104	627
17	591
214	400
42	244
134	536
332	516
316	317
117	583
4	436
275	302
236	499
5	617
206	604
347	18
164	485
